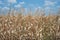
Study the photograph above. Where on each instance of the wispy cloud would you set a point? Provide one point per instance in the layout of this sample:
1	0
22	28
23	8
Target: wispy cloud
5	8
49	3
12	1
22	2
47	8
19	4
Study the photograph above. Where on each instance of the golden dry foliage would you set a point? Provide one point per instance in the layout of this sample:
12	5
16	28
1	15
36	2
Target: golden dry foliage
28	27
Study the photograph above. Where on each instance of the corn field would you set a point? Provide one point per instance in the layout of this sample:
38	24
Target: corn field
29	27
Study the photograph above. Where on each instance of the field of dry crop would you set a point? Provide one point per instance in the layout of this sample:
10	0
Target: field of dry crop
29	27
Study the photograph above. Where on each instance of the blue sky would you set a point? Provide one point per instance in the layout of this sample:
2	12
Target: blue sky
33	4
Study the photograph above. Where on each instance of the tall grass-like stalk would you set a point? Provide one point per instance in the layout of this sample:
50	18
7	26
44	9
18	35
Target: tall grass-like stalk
20	27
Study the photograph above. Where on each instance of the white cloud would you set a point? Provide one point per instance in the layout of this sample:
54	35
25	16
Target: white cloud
47	8
17	6
49	3
5	8
12	1
22	2
38	8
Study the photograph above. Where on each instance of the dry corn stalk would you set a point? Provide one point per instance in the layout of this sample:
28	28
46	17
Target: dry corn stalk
28	27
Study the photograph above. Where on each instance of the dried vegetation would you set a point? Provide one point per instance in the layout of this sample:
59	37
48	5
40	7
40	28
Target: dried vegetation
19	27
